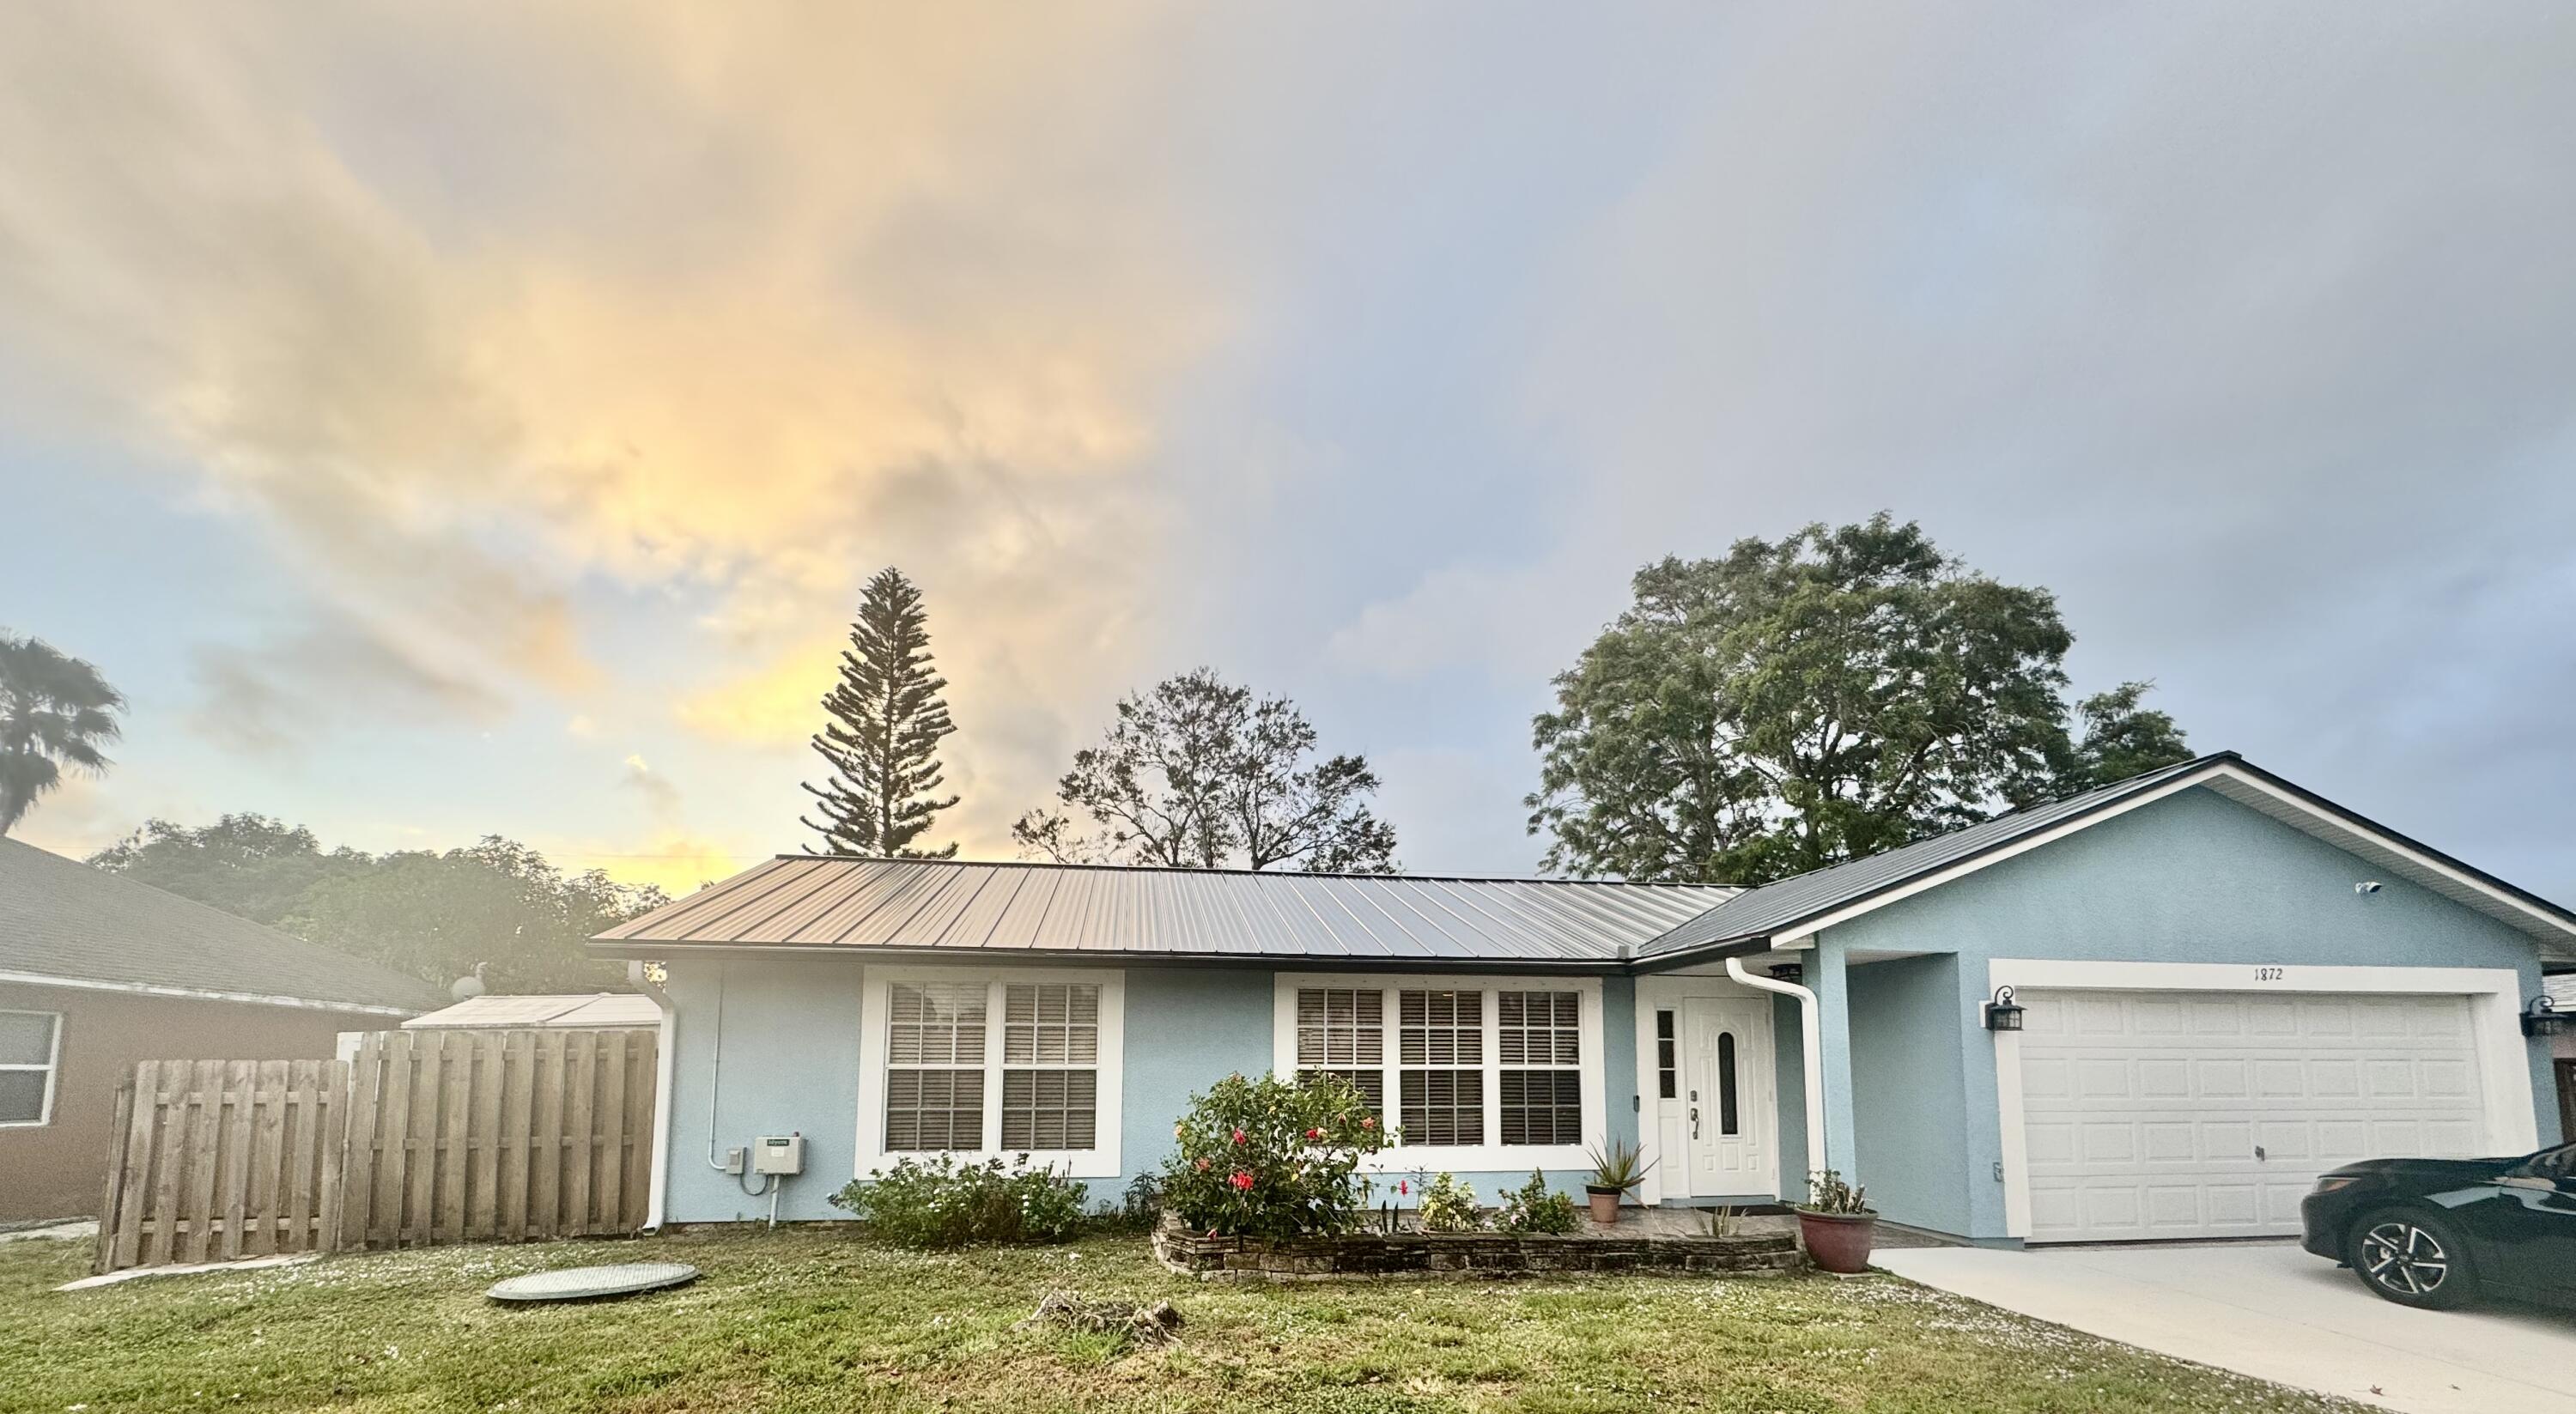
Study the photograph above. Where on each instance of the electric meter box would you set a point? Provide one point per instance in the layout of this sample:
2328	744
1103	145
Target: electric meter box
779	1153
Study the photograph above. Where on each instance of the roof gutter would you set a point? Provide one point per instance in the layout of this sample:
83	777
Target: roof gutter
203	994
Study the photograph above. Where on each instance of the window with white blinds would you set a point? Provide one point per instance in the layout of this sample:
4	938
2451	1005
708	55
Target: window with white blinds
1542	1066
1050	1048
1471	1064
994	1066
1341	1031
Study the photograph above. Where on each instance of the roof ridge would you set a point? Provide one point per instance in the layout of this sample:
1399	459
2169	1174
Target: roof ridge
1258	873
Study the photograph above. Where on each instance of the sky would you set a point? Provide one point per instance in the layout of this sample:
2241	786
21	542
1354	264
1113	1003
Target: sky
457	419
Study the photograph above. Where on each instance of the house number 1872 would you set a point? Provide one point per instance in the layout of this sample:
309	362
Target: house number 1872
2267	974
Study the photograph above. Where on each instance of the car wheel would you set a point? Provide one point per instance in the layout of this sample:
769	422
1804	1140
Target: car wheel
2412	1257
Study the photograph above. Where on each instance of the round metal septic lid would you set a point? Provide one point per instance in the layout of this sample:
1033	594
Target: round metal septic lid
589	1283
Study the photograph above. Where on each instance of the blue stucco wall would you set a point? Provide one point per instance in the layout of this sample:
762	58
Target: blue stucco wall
2192	878
1909	1100
1788	1032
791	1063
1186	1029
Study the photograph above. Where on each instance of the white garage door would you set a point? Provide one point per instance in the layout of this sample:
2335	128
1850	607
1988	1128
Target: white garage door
2210	1114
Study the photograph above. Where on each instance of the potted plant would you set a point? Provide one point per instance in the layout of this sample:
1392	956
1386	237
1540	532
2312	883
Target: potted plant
1836	1224
1614	1172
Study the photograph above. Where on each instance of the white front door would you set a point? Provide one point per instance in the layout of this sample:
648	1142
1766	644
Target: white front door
1726	1100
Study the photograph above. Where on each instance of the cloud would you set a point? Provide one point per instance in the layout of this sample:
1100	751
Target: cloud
1517	624
865	295
277	696
660	796
673	860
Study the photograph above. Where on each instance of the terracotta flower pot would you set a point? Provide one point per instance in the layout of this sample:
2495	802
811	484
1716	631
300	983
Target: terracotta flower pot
1605	1203
1838	1242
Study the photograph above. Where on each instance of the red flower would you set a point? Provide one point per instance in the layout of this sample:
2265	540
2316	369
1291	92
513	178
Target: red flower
1238	1136
1314	1134
1241	1180
1203	1165
1368	1121
1403	1187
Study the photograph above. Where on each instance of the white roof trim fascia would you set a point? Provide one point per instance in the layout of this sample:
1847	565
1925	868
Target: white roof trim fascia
198	994
2216	770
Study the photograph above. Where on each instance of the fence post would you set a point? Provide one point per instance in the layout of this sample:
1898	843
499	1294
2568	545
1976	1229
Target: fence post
120	1142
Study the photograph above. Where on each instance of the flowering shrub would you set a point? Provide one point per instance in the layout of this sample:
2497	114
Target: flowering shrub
1271	1157
1535	1207
1449	1205
940	1203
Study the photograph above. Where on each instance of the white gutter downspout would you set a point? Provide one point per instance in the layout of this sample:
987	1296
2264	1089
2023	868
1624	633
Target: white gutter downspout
662	1063
1811	1040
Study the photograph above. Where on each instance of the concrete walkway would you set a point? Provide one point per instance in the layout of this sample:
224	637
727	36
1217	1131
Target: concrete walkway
2274	1312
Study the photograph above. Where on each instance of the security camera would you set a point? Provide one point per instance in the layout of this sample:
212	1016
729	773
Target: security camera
2366	886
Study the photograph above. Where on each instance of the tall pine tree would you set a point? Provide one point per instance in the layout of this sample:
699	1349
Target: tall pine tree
883	738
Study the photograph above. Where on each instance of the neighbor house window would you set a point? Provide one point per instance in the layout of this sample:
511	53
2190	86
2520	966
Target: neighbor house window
30	1050
1000	1064
1482	1065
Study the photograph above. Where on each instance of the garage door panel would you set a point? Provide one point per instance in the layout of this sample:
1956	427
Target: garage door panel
2170	1142
2445	1080
2144	1112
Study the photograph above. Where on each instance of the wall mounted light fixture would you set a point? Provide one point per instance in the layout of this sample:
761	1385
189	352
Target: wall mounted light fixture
2003	1013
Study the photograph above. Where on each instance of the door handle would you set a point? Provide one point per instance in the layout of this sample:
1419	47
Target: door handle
1694	1121
2258	1152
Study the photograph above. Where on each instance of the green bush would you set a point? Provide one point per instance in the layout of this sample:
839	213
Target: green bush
1449	1205
1535	1207
1271	1157
941	1203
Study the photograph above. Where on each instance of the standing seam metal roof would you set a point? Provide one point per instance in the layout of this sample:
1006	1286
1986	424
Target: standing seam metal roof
946	905
851	902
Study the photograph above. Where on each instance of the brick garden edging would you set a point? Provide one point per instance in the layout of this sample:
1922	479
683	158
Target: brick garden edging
1463	1254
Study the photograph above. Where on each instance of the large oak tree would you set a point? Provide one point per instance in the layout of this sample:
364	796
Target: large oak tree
1796	704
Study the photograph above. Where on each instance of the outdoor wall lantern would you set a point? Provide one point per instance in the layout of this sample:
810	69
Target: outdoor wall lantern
2543	1018
1792	973
2003	1013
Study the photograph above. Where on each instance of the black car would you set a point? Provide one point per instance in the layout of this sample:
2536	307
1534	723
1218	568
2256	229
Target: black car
2439	1232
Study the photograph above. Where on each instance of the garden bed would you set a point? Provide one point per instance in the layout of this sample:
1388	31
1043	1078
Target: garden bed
1464	1254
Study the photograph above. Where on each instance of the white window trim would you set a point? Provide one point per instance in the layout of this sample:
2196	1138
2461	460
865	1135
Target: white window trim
1100	1161
52	1068
1494	1157
2494	995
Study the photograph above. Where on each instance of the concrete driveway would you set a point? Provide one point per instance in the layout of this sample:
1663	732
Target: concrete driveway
2274	1312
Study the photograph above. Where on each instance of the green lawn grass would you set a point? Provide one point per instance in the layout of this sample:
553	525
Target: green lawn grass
810	1319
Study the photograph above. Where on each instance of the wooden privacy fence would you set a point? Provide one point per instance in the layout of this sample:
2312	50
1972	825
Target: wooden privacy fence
426	1137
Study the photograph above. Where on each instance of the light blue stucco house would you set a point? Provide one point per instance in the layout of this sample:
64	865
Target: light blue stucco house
2226	985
